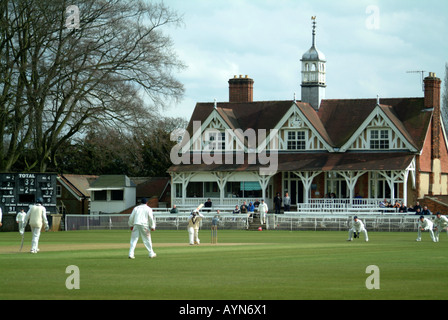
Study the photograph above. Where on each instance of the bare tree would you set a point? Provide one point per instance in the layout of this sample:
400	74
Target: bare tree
55	80
444	110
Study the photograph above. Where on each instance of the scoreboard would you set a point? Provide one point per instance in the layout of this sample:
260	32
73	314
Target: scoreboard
20	190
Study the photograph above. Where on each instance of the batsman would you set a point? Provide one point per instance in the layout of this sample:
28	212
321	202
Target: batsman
194	221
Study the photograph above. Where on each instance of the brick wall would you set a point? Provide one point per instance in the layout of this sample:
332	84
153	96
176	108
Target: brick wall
241	89
434	205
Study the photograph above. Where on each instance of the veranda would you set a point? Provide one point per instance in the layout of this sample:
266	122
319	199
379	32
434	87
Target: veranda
308	190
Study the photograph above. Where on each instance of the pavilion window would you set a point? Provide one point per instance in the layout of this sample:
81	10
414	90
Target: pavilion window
216	141
296	140
379	139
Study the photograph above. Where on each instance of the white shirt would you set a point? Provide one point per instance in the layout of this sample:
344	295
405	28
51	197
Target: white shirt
263	208
142	215
20	216
37	215
358	226
441	222
0	215
426	224
197	221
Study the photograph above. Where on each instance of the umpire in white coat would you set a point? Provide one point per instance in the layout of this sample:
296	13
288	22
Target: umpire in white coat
37	216
142	222
357	227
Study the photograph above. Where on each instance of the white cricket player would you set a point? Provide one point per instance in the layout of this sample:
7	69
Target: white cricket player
142	222
424	224
441	223
357	227
194	221
1	217
37	216
263	210
20	219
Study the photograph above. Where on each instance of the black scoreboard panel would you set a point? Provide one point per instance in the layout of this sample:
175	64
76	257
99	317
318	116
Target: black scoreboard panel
19	190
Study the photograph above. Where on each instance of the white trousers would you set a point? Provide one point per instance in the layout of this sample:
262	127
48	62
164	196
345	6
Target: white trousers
364	231
193	235
431	233
35	239
438	232
145	233
21	228
263	218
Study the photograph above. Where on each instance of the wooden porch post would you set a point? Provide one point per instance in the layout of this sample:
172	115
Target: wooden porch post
307	178
221	180
351	178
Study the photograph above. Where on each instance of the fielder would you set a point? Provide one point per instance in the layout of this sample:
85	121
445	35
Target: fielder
194	221
263	210
357	227
20	219
425	224
37	216
142	222
0	217
441	223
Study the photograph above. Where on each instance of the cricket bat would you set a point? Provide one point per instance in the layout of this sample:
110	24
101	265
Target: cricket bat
200	207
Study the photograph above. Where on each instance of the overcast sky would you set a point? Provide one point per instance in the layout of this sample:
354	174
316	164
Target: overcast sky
369	45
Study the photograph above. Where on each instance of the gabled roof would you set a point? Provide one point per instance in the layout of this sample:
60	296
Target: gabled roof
77	184
111	182
150	187
251	115
336	121
341	118
315	121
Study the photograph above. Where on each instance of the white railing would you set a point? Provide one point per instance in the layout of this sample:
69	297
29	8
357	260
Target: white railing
354	203
319	203
290	221
384	222
215	201
305	209
163	221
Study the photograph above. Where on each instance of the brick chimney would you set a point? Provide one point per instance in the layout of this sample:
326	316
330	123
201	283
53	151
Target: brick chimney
241	89
432	101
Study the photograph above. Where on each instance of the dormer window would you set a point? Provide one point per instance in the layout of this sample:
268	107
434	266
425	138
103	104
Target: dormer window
379	139
296	140
215	141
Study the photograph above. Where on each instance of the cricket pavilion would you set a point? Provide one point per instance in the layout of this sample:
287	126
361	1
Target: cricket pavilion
350	153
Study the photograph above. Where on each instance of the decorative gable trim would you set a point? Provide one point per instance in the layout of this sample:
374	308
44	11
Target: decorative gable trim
234	141
294	120
378	120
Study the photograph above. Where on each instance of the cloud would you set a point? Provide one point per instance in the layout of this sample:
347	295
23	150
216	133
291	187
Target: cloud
265	39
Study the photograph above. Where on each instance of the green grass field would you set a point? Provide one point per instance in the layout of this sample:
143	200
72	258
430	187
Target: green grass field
245	265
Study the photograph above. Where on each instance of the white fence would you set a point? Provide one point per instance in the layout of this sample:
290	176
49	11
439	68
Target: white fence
323	222
292	222
163	222
314	203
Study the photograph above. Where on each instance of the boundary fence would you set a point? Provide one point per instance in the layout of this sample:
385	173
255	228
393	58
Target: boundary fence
291	222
